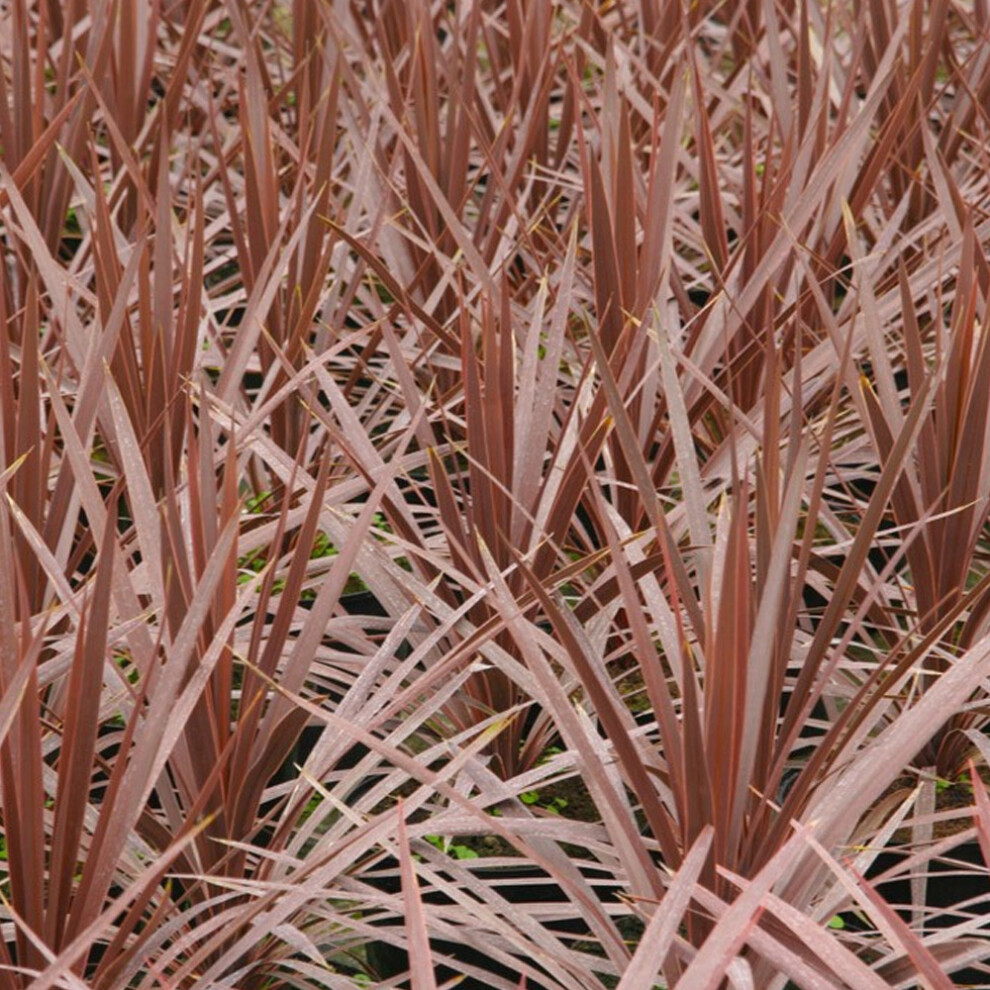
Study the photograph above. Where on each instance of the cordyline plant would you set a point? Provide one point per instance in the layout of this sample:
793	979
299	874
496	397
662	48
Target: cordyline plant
494	494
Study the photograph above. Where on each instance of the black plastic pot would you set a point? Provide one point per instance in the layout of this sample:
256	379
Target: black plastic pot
522	885
950	884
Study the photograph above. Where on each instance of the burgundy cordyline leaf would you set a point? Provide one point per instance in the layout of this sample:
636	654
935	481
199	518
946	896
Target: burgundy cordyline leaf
420	958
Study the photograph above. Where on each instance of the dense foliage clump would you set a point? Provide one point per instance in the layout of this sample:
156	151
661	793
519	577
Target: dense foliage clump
494	489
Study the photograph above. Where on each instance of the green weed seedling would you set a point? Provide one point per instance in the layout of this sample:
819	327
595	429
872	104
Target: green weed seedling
455	849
